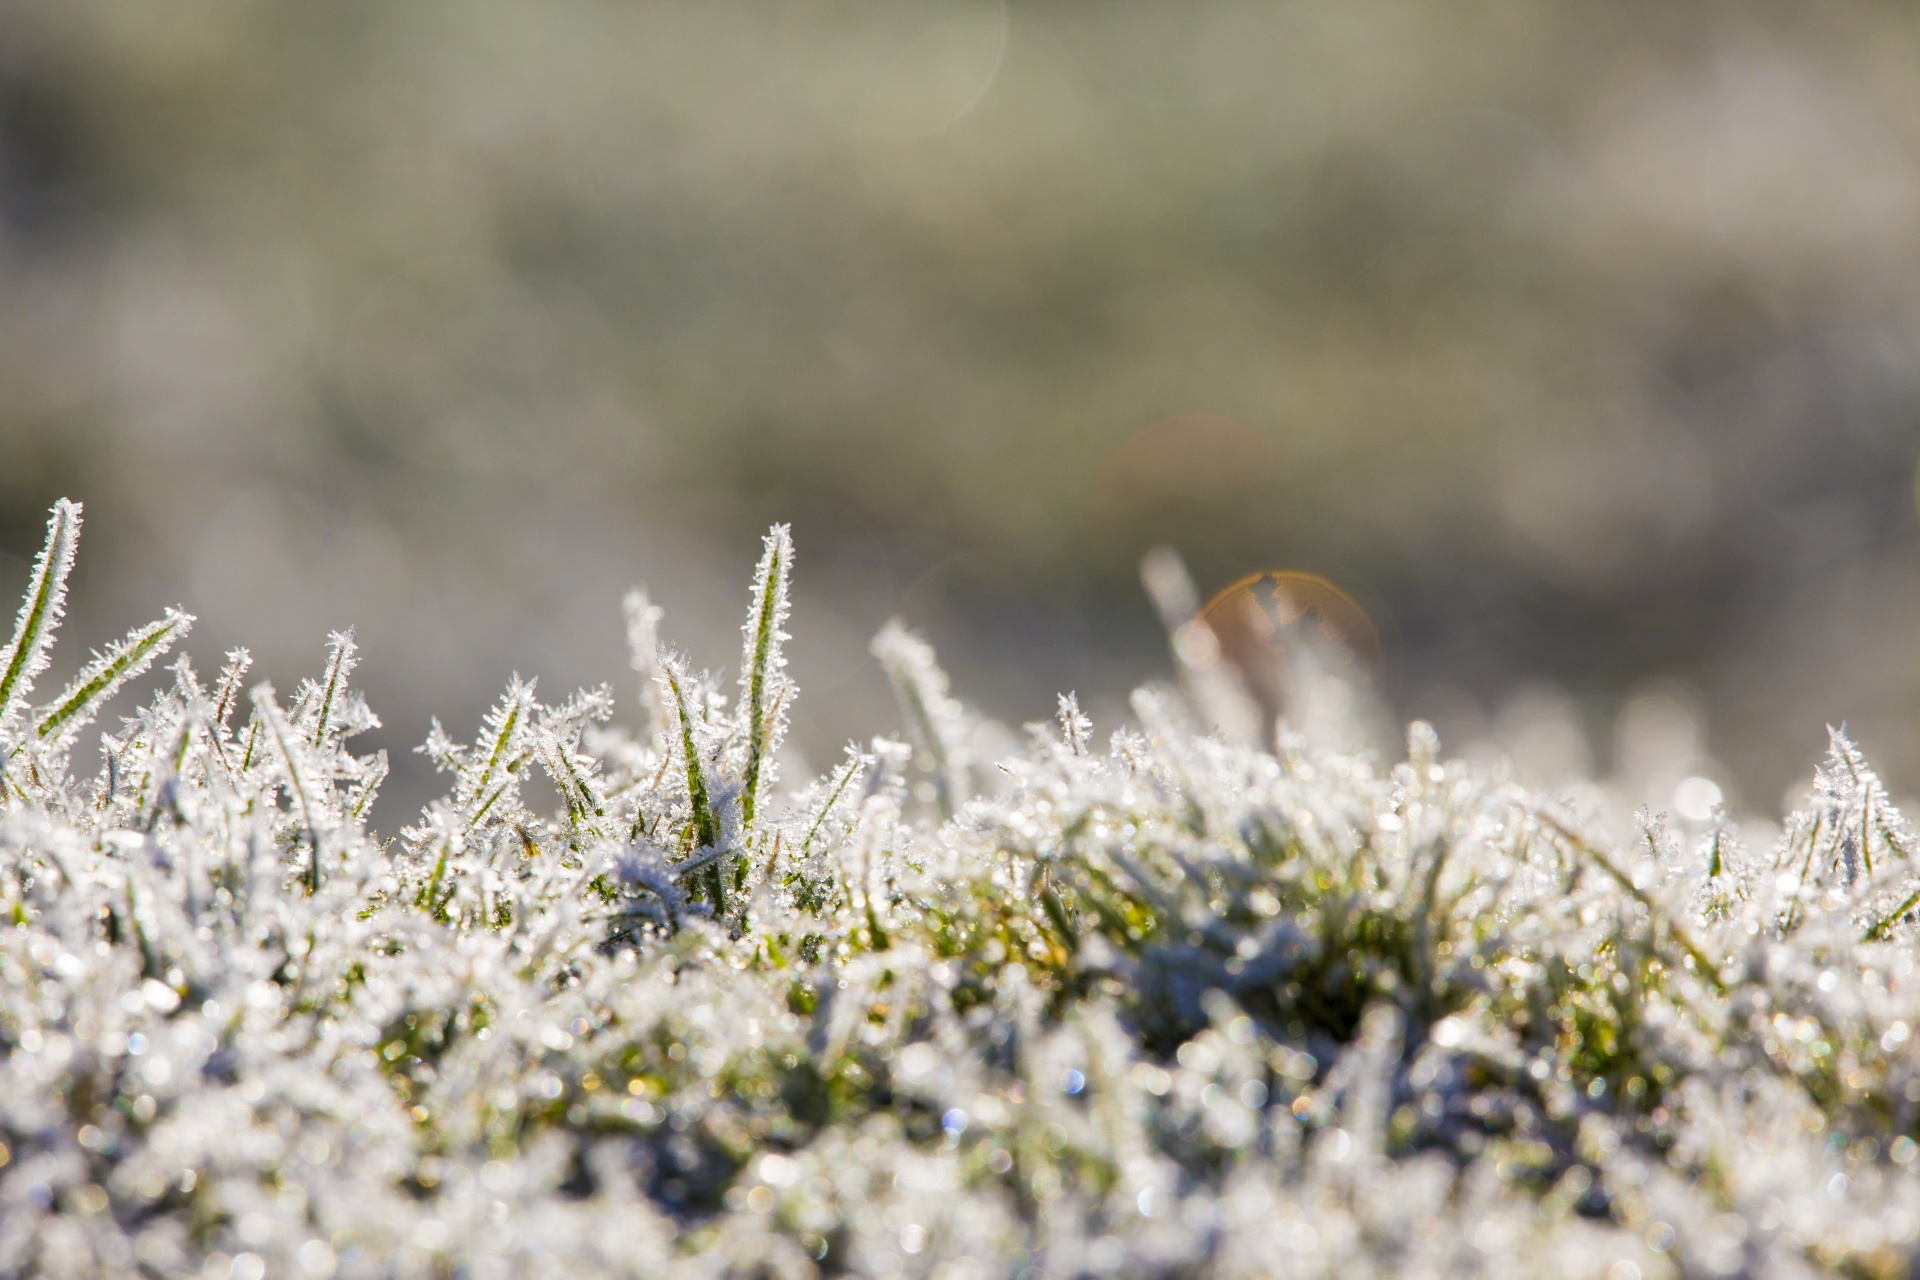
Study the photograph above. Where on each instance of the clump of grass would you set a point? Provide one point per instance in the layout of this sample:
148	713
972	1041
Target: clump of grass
1188	1005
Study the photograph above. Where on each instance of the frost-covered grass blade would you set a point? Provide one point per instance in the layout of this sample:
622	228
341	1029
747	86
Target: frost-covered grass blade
100	679
703	826
26	653
763	683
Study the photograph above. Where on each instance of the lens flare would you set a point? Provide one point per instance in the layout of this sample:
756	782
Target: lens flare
1263	612
1304	649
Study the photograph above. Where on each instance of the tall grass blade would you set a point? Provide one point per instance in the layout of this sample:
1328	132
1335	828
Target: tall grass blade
764	686
26	654
706	829
342	658
99	680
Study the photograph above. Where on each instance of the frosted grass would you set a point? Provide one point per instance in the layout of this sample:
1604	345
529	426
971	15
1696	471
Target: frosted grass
1175	1004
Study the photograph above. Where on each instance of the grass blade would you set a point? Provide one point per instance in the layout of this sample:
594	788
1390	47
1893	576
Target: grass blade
342	657
99	680
503	737
762	667
26	654
706	829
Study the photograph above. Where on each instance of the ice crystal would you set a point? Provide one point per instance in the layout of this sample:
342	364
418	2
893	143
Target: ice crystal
1211	1001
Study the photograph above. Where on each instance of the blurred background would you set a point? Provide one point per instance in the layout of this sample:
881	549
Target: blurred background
1576	343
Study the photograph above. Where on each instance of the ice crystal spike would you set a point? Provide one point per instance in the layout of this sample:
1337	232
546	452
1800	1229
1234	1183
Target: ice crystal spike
766	693
26	654
58	722
1075	729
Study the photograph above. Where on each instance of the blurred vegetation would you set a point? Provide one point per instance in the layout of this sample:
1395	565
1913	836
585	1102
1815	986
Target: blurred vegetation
1574	341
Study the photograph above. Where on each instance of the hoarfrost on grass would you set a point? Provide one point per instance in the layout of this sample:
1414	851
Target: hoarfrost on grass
1212	1001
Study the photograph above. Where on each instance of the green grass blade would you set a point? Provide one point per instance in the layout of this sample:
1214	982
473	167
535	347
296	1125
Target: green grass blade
100	679
706	830
226	692
762	667
26	654
503	738
342	657
854	765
